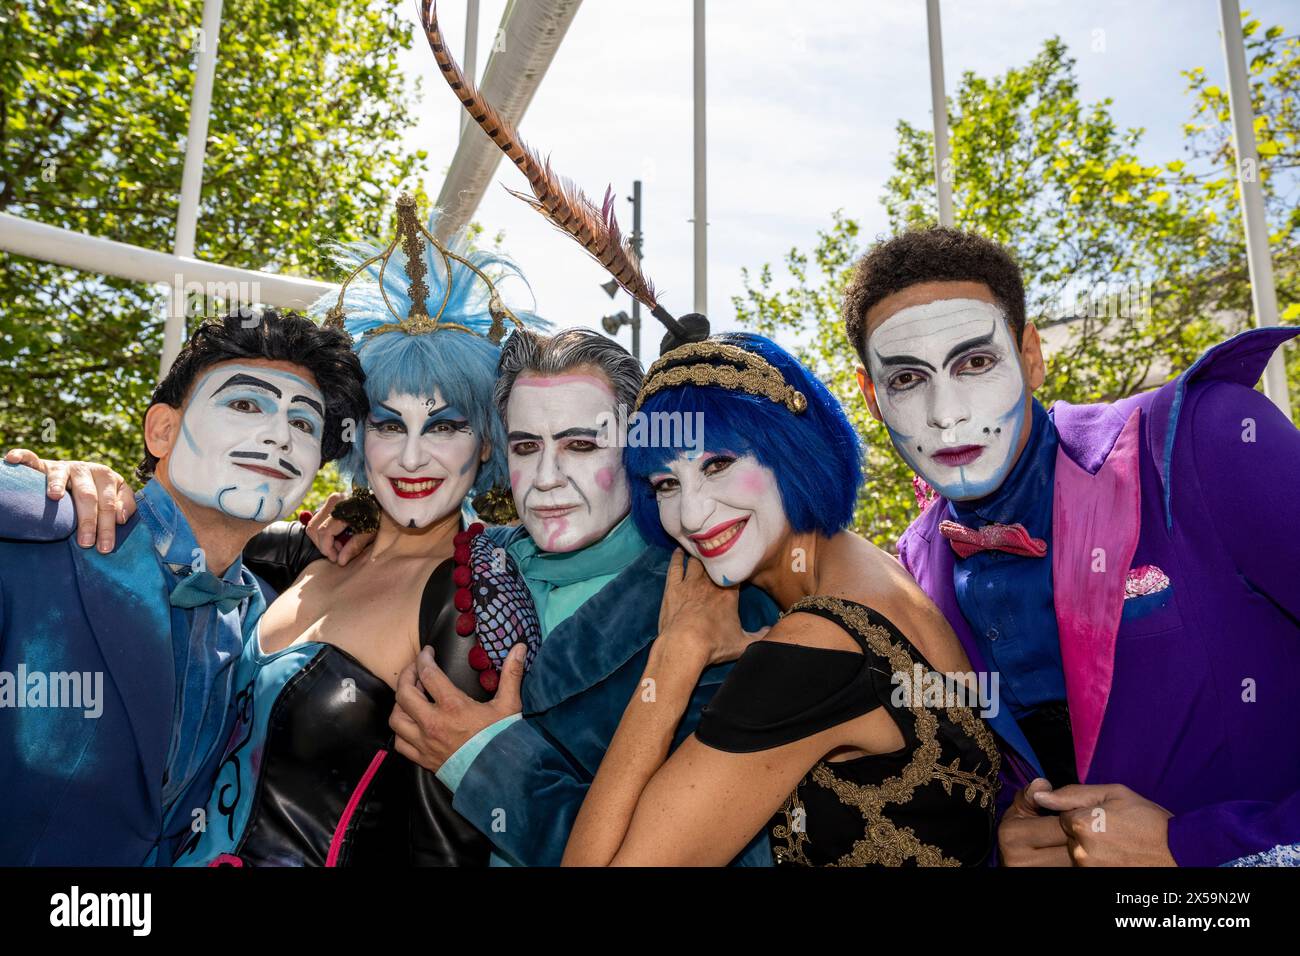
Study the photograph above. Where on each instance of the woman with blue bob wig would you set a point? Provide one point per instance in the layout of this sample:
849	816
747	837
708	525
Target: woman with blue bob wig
836	732
426	319
815	456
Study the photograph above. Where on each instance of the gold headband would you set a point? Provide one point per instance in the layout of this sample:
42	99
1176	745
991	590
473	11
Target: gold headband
417	321
727	366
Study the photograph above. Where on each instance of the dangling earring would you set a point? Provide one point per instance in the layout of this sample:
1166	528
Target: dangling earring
496	506
359	511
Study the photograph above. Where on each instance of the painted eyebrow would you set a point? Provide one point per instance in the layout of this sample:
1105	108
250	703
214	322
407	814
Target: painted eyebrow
902	360
310	403
523	436
242	379
442	410
968	344
571	432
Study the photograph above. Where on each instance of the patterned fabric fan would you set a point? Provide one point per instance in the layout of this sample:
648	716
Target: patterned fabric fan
503	608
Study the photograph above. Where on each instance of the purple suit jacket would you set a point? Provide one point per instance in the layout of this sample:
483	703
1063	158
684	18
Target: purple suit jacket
1179	689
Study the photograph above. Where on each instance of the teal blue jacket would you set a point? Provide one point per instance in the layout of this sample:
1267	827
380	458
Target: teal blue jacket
78	789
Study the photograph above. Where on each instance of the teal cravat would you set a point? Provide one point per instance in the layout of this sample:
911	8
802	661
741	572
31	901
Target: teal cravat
204	587
576	575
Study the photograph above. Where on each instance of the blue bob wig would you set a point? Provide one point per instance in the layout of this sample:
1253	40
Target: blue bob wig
460	365
816	455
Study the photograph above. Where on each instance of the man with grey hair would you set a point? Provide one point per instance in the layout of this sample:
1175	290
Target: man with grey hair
521	778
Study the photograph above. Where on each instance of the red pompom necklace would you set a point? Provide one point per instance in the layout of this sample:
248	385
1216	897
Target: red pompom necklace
466	624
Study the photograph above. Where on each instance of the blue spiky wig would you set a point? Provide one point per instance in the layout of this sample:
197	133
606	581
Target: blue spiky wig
462	366
815	455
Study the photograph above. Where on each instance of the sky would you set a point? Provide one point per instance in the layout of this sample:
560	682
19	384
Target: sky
803	100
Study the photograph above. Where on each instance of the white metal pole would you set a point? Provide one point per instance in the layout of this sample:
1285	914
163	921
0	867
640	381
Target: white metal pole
701	199
196	145
1262	293
939	104
85	253
471	54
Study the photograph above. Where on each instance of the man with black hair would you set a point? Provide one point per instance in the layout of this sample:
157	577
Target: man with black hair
115	665
1130	571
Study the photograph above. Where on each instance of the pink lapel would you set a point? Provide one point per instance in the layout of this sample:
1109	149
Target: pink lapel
1095	524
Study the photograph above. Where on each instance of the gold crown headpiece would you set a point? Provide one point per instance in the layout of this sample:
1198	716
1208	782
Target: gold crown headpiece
724	365
412	236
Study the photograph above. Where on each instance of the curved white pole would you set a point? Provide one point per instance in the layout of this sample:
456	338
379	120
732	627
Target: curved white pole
87	253
522	50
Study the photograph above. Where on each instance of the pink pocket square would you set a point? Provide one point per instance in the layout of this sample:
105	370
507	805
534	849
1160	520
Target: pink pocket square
1145	580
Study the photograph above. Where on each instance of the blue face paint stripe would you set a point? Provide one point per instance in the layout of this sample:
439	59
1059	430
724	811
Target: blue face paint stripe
447	411
189	439
263	400
266	404
1017	415
962	488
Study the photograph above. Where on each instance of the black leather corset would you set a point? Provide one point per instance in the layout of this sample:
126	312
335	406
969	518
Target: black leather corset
331	790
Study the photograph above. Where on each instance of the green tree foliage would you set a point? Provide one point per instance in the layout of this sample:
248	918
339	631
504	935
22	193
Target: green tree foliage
1132	269
1273	61
308	111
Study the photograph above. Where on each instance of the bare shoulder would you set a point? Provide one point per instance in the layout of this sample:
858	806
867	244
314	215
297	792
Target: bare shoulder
325	583
322	572
811	630
876	578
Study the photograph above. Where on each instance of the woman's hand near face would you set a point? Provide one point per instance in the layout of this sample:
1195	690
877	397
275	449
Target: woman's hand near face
699	625
699	615
332	537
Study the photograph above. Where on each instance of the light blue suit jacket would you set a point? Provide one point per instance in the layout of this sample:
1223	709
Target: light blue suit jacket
77	789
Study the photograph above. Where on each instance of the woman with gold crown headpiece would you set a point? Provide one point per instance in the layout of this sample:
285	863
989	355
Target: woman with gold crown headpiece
310	777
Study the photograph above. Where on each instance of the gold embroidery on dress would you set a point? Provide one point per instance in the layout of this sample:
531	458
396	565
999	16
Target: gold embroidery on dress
795	835
885	843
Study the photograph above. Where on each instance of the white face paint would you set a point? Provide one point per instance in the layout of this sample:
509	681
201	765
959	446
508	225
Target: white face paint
421	457
723	509
250	441
951	390
569	489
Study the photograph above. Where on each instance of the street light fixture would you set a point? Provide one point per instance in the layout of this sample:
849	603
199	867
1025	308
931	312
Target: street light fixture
612	323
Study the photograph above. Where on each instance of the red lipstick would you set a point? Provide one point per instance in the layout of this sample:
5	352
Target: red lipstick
414	487
719	539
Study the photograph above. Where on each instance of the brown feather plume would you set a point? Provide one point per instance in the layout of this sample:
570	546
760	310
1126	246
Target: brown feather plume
555	197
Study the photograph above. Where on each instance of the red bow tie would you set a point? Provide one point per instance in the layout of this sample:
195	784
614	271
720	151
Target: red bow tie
1011	538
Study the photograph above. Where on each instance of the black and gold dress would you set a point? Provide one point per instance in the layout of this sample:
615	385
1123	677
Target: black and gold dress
931	803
